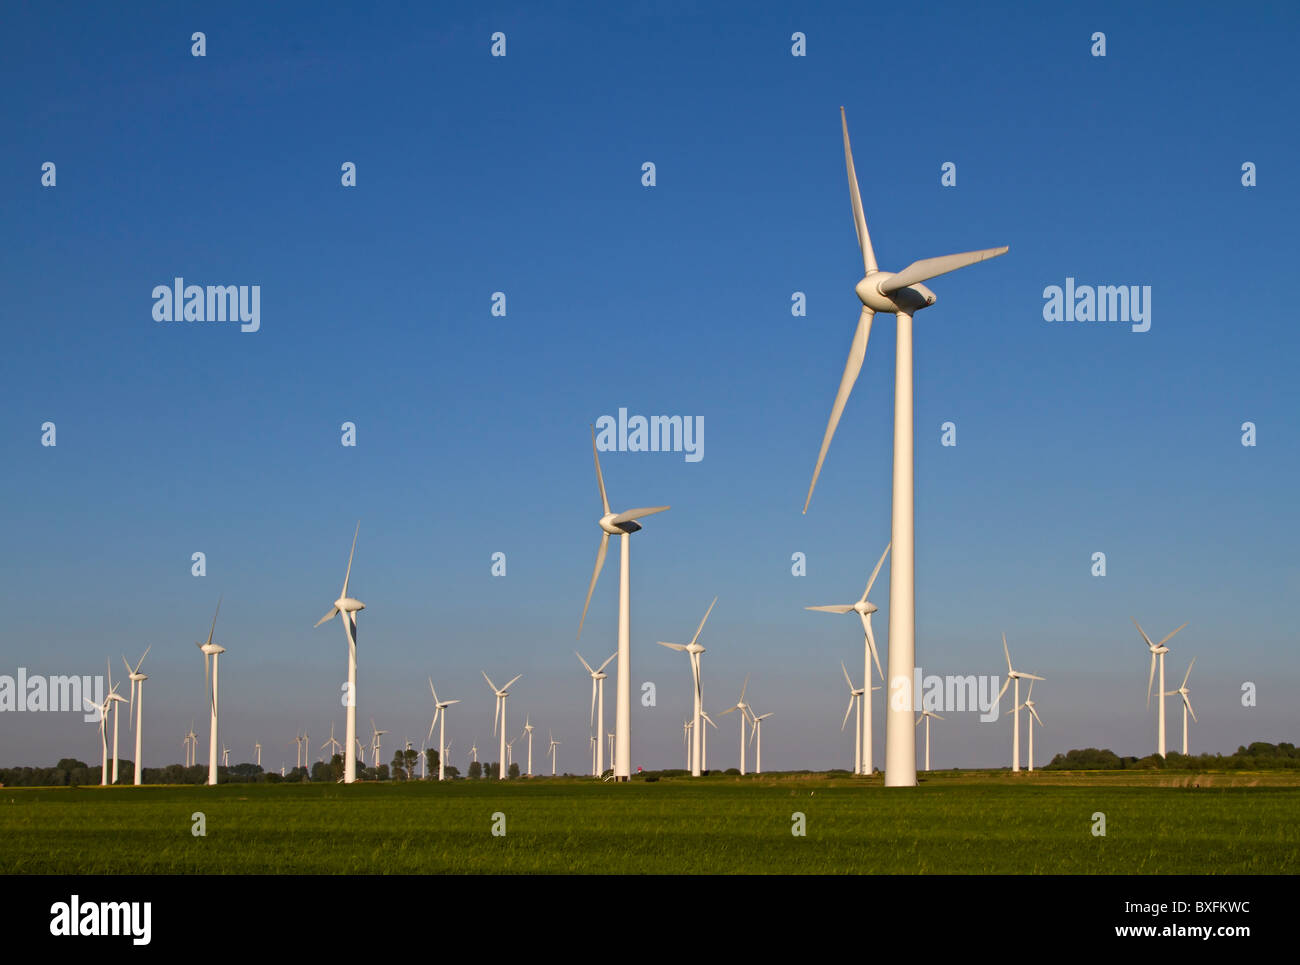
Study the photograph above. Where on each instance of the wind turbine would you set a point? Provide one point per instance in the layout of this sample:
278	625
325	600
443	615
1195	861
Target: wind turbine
595	745
1014	675
1033	716
855	697
439	707
212	651
510	749
297	749
704	740
349	607
192	742
1187	703
331	743
865	763
137	683
902	295
501	694
598	677
1157	650
374	743
258	749
551	749
113	699
528	729
694	650
623	525
612	736
103	737
686	741
927	714
757	732
744	709
473	751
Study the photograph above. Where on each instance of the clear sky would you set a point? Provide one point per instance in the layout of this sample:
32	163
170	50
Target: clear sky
523	174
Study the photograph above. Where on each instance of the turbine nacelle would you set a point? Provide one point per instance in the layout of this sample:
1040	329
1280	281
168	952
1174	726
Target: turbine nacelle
909	300
610	524
347	604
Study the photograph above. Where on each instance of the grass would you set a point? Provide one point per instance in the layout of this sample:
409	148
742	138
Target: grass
955	822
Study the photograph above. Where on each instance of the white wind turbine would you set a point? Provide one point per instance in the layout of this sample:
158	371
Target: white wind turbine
1187	703
473	751
595	749
704	740
331	743
624	525
225	756
757	732
528	729
864	608
551	749
927	714
694	650
500	714
1158	650
297	748
686	741
361	754
902	295
137	684
185	745
102	709
1033	716
212	651
855	698
258	749
439	708
1016	676
611	735
598	677
374	743
510	749
192	742
744	710
113	699
349	607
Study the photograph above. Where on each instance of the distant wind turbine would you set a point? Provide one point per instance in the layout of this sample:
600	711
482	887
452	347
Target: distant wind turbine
757	732
1033	716
551	749
349	607
1187	703
598	677
212	651
440	708
927	714
1016	676
500	714
694	651
744	710
1158	650
137	704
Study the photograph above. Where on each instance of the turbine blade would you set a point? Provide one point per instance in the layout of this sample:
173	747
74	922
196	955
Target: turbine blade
859	219
348	575
835	608
926	268
593	702
871	645
595	574
607	660
672	646
706	616
600	478
933	714
214	620
1150	645
489	681
1036	717
1168	636
1029	676
512	681
876	571
918	721
329	616
1189	673
1010	668
742	689
583	662
1188	702
1002	692
631	514
847	679
857	352
1151	677
142	656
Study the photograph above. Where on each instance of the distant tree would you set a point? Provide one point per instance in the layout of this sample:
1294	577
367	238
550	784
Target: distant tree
381	772
431	759
452	772
398	766
514	770
337	768
475	770
71	764
320	771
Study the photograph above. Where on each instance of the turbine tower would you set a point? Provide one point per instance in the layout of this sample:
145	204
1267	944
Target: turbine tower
349	608
704	740
694	650
1033	716
1187	703
855	698
1158	650
137	684
528	729
1016	676
439	708
598	677
757	732
902	295
258	749
113	699
374	743
864	608
212	651
927	714
623	525
551	749
501	694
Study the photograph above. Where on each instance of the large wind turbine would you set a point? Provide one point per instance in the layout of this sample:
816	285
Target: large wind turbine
1187	703
439	708
598	677
694	650
900	294
137	684
864	608
618	524
1014	675
927	714
349	608
744	710
1158	650
212	651
501	694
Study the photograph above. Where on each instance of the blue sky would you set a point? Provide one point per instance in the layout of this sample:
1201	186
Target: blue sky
523	175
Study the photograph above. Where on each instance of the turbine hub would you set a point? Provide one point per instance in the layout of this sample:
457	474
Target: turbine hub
866	607
910	300
617	529
347	604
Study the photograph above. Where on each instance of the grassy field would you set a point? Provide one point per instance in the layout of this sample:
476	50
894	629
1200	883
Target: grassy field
967	822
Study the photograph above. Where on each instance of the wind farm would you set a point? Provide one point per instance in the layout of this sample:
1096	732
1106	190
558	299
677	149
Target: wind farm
433	292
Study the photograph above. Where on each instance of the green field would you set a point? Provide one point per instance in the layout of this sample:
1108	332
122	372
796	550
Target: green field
968	822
